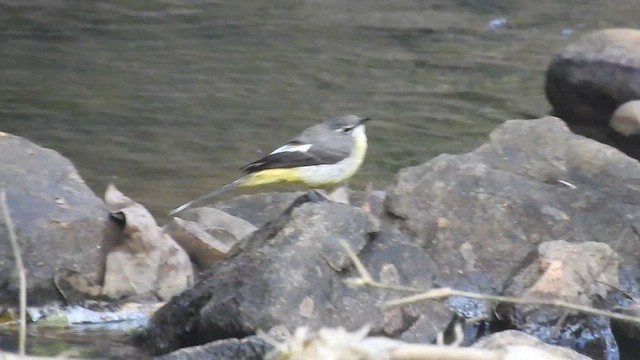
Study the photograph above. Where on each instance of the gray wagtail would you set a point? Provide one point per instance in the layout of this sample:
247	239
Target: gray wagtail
323	155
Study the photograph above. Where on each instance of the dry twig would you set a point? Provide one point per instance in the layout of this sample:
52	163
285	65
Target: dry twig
365	278
21	273
441	293
447	292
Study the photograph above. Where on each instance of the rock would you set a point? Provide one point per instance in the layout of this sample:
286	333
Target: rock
145	260
482	215
562	277
627	334
75	287
214	219
507	338
203	248
210	235
558	275
371	201
626	119
591	77
292	272
59	221
249	348
258	209
340	194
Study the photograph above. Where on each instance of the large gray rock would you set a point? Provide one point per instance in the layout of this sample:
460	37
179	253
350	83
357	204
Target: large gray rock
60	223
292	273
249	348
482	215
591	77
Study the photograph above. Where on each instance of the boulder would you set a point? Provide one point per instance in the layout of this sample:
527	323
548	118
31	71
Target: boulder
507	218
249	348
503	339
591	77
482	215
60	223
292	272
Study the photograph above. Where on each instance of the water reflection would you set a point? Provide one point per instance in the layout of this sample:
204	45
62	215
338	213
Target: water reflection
110	341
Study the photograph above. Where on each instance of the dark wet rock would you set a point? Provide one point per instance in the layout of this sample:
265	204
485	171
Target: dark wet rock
482	215
59	221
591	77
503	339
292	272
627	334
558	275
249	348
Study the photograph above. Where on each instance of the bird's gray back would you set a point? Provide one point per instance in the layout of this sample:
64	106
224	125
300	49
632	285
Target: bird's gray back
326	144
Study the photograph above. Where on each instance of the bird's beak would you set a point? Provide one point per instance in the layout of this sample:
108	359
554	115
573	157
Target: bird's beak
362	121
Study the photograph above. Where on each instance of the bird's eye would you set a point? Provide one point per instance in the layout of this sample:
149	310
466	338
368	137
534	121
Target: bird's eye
346	129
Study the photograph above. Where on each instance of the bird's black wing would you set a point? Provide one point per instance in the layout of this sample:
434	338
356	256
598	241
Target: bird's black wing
282	159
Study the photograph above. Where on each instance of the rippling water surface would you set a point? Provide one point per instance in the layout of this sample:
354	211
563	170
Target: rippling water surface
166	99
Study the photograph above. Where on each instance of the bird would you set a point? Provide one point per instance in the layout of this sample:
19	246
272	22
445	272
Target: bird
324	154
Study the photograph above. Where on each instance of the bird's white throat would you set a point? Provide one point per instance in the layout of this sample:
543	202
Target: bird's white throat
335	173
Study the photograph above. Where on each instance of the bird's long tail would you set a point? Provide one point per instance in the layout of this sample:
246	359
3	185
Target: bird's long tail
221	190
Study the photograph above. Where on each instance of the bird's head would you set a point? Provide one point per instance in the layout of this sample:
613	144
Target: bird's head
346	124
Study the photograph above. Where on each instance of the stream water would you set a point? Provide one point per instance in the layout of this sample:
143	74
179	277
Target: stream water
167	99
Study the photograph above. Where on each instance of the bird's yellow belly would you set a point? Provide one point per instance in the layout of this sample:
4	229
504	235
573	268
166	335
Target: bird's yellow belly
316	175
272	176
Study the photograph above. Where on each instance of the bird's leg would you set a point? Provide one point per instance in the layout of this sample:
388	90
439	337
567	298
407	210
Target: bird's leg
340	195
